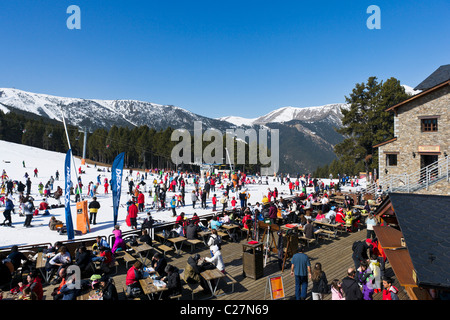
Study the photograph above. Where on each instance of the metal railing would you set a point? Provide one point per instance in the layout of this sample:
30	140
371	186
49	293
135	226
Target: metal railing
423	178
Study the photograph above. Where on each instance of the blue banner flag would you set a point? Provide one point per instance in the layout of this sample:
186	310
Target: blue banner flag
116	183
69	223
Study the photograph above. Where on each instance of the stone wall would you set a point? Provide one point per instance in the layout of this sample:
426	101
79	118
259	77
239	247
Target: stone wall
409	134
440	188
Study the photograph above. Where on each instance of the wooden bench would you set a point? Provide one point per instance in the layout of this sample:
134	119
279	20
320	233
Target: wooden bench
342	228
328	233
247	231
126	257
162	247
193	288
116	265
222	234
307	240
177	297
229	280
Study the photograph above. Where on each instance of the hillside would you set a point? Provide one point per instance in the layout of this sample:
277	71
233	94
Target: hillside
313	129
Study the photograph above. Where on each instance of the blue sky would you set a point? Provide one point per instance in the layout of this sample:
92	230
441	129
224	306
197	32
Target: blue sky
218	58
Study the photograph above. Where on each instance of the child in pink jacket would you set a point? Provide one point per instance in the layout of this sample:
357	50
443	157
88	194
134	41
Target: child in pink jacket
336	290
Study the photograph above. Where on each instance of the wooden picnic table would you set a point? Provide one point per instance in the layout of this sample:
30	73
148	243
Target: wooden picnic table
150	289
91	295
140	249
41	262
334	227
178	240
229	228
330	225
204	235
210	276
361	207
317	231
161	236
290	226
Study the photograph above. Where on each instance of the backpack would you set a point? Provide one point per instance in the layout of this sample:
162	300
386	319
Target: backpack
133	291
355	245
217	242
323	286
207	266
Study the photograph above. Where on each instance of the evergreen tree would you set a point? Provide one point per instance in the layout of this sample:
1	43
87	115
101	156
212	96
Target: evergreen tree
367	123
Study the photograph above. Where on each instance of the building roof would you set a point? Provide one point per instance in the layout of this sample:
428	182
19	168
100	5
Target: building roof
385	142
423	220
438	79
442	74
423	93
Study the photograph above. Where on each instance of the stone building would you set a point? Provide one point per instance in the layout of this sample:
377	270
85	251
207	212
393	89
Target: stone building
416	159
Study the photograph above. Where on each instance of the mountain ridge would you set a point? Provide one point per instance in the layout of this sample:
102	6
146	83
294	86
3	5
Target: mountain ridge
307	135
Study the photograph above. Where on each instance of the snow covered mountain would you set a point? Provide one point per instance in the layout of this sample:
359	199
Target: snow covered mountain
93	113
298	127
331	112
238	121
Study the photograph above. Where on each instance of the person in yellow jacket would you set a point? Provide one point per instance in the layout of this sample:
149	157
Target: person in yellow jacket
93	209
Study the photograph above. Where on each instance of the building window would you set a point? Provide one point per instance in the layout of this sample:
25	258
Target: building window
429	125
391	160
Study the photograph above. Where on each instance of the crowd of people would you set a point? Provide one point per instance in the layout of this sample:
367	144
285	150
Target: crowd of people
60	263
360	283
230	198
12	191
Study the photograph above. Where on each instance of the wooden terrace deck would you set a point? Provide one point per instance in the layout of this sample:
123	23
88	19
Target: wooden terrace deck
334	255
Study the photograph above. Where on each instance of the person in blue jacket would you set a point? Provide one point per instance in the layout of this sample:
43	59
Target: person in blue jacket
9	207
70	290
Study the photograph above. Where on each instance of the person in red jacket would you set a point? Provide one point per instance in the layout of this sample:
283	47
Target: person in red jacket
34	283
132	214
291	187
134	274
141	201
233	203
43	205
180	219
269	195
389	292
196	219
247	220
340	216
275	193
214	202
